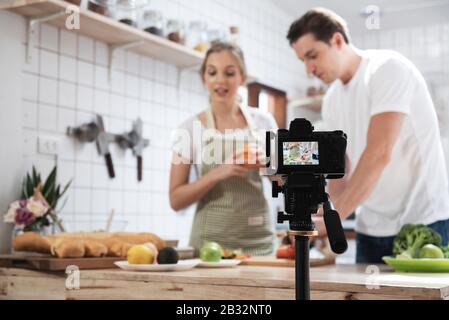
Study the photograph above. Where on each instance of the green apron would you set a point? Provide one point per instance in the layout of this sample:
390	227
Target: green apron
235	212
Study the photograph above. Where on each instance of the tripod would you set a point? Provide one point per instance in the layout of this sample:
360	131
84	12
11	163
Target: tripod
303	193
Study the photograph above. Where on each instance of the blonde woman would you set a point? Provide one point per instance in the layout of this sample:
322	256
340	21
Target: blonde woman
231	207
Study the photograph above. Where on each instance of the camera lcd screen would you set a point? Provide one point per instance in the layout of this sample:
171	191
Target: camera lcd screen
303	153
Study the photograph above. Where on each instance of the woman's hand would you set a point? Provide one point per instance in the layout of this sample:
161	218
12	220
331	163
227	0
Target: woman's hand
227	171
250	157
231	168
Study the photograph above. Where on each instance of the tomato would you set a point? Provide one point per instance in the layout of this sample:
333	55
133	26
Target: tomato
285	252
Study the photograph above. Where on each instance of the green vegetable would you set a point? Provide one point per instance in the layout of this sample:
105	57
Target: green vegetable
430	251
445	251
404	256
411	238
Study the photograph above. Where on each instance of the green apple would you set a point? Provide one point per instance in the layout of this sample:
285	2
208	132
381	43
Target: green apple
431	251
211	252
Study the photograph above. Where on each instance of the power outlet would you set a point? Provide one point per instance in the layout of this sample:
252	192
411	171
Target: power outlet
48	145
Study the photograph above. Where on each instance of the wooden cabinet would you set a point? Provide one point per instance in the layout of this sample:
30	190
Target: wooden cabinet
276	101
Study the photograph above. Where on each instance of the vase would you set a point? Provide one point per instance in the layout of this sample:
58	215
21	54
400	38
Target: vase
15	232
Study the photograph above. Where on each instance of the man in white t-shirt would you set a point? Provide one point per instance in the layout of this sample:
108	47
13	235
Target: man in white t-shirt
396	172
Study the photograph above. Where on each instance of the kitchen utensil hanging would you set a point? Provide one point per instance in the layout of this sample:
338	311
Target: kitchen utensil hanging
95	132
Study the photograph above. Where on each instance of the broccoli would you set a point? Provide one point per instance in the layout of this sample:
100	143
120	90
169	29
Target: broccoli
411	238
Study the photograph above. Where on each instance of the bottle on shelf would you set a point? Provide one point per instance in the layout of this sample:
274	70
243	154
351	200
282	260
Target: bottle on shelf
216	34
197	36
234	35
75	2
103	7
153	22
129	11
176	31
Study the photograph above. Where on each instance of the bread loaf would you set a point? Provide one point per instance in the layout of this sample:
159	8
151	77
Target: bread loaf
66	248
95	249
139	238
32	242
84	244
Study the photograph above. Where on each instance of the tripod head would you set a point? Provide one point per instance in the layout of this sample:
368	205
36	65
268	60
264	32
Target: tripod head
303	193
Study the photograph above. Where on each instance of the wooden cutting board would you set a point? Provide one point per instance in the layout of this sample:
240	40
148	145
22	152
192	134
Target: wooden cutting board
274	262
49	263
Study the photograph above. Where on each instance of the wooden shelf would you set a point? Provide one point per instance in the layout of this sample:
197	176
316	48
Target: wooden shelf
110	31
312	103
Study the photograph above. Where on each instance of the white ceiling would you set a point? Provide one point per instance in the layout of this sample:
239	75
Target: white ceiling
395	13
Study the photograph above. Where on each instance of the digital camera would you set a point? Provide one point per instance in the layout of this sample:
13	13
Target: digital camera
303	150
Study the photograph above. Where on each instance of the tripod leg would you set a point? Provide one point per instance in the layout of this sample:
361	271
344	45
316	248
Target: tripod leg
302	273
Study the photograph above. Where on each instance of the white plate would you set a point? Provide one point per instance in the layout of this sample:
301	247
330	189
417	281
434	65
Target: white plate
182	265
224	263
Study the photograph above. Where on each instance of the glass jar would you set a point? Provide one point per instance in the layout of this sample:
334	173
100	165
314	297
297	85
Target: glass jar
176	31
216	34
16	231
129	11
234	34
197	36
39	229
75	2
103	7
153	22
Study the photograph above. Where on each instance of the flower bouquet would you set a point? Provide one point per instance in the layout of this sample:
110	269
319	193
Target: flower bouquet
37	208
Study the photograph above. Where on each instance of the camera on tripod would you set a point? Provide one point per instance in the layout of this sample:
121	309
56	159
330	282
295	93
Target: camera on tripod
305	159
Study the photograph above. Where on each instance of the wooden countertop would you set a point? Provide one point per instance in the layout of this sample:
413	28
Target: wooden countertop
243	282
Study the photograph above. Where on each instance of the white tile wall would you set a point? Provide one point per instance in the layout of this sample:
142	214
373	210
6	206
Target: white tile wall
67	83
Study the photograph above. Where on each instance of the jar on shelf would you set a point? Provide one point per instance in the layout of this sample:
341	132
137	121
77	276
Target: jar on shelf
129	11
216	34
176	31
103	7
75	2
197	36
234	33
153	22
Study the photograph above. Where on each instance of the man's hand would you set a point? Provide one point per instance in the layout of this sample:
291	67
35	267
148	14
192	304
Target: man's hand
320	226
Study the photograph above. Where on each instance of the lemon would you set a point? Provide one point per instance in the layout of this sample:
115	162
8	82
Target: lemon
140	254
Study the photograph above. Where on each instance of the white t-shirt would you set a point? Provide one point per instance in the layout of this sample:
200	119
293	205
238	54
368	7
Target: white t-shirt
413	187
191	148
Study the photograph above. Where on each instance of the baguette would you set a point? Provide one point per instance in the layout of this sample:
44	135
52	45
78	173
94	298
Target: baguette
94	249
84	244
32	242
140	238
66	248
119	249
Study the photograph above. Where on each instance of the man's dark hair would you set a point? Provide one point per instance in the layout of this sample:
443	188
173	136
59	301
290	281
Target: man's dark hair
320	22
